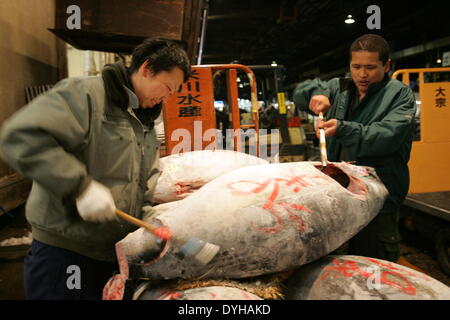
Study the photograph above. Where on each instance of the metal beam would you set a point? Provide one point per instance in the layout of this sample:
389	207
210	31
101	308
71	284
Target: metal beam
242	15
443	42
216	55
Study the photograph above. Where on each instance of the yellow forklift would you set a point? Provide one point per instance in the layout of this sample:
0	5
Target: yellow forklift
426	209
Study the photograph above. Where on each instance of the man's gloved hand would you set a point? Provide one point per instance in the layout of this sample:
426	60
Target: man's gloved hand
96	203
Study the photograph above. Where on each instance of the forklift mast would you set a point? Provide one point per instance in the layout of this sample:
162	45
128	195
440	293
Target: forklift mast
190	117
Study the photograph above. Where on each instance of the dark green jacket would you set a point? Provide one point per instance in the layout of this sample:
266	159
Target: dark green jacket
84	128
377	134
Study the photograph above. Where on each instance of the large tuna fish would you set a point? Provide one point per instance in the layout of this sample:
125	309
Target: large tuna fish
362	278
204	293
117	289
266	218
184	173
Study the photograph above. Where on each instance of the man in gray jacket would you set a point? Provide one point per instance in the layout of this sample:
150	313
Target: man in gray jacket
89	146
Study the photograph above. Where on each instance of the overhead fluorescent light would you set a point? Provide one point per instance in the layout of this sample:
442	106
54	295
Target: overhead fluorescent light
349	19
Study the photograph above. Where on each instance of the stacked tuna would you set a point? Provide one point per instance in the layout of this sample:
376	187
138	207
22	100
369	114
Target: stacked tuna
267	218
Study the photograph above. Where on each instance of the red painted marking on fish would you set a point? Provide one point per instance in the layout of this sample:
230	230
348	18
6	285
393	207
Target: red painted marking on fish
261	187
408	288
163	232
274	229
300	207
349	268
301	225
271	204
168	294
346	268
405	271
174	295
273	196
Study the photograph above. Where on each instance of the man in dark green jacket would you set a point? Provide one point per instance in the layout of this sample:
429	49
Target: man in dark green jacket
89	146
369	121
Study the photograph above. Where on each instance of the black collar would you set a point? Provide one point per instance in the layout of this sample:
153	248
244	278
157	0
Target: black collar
377	86
373	87
115	77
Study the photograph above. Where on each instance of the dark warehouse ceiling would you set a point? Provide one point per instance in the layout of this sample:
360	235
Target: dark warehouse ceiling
311	39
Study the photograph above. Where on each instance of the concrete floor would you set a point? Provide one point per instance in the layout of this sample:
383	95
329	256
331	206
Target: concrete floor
11	271
11	281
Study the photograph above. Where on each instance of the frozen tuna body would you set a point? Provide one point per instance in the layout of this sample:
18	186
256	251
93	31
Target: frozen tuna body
184	173
362	278
266	218
205	293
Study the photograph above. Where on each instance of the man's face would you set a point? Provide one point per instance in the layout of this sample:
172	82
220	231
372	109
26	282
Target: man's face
152	89
366	68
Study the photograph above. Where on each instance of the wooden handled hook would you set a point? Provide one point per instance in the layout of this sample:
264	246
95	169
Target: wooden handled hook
161	232
202	251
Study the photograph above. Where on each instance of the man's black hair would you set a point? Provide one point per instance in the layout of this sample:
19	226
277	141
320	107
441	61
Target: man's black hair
372	43
162	55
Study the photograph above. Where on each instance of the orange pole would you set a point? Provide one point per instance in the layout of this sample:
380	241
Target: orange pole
254	95
234	107
418	70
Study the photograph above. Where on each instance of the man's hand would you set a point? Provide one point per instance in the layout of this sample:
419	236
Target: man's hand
319	103
330	127
96	203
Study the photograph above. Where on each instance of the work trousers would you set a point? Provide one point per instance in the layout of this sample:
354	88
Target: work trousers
52	273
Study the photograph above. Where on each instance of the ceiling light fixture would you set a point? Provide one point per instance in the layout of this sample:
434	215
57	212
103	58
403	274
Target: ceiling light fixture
349	19
439	61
